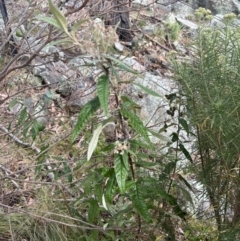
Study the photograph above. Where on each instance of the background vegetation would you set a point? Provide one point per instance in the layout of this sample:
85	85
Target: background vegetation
70	179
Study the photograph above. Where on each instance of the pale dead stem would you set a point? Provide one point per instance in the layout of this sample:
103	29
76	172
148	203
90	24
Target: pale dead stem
8	173
17	140
9	68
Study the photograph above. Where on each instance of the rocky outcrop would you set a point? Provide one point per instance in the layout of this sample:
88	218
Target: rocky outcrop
220	7
184	8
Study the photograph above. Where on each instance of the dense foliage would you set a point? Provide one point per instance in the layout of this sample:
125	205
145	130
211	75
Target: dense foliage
123	179
211	87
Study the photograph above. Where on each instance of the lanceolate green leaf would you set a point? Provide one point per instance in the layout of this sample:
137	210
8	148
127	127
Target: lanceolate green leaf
181	178
48	20
98	192
87	111
110	188
93	210
121	65
128	103
159	136
23	115
121	172
26	127
103	92
146	164
137	125
61	41
61	20
93	143
139	203
12	103
125	160
36	128
185	152
147	90
184	124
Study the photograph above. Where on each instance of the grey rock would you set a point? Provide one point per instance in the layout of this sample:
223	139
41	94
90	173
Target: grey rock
220	7
77	100
73	4
41	115
133	63
85	65
30	105
164	5
192	28
179	8
81	96
68	79
50	78
67	87
118	46
141	2
150	29
53	73
170	18
153	109
182	9
188	24
99	21
217	22
109	131
236	5
38	109
179	47
38	69
15	110
2	25
51	176
50	49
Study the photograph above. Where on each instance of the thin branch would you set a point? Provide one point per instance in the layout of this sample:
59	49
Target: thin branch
7	69
7	173
5	130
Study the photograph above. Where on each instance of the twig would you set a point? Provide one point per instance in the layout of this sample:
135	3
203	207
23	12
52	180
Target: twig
8	68
10	227
32	146
7	173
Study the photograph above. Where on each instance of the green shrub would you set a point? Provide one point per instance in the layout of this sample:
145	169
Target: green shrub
210	83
